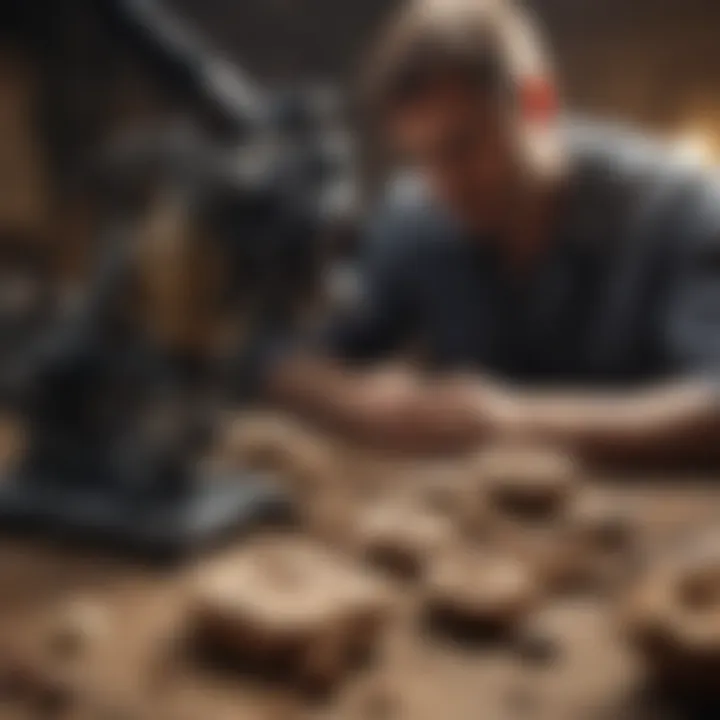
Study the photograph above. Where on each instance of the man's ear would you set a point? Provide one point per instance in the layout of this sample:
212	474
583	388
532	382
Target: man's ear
538	99
539	109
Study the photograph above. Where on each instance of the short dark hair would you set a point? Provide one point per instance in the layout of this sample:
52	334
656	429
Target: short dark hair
467	39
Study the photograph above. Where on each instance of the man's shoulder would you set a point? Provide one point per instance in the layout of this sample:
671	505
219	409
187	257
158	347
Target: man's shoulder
650	182
612	152
606	153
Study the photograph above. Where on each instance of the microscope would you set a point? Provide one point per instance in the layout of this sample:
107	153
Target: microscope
210	246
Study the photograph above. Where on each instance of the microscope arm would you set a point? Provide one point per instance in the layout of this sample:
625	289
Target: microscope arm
187	64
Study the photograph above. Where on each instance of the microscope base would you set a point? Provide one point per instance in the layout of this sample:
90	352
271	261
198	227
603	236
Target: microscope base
169	527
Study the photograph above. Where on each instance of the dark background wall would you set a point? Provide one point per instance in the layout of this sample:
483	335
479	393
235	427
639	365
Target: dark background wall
656	61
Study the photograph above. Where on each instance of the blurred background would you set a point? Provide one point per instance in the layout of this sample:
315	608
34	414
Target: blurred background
653	61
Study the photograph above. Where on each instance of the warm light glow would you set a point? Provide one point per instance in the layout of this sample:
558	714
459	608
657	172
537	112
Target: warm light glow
696	146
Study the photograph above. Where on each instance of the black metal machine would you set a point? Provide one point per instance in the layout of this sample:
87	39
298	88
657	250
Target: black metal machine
120	411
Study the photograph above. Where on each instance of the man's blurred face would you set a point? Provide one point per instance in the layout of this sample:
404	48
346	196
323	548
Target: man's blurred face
462	142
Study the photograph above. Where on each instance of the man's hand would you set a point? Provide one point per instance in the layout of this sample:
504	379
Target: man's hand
395	407
675	423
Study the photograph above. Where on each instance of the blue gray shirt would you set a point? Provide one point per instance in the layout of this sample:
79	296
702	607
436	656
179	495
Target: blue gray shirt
629	291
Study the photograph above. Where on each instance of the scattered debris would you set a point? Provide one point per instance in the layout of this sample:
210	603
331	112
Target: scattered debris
77	625
480	591
527	481
672	618
404	538
290	603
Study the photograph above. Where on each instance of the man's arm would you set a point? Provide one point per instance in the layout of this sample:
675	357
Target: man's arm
391	408
399	410
677	423
402	411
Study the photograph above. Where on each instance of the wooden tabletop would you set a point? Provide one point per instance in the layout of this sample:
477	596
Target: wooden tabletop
130	669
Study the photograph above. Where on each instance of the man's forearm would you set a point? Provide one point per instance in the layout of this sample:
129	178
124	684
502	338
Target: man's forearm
399	410
396	408
674	423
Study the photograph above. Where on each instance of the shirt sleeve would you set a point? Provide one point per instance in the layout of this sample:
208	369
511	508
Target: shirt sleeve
692	330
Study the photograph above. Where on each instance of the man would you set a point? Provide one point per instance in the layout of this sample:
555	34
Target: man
560	279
